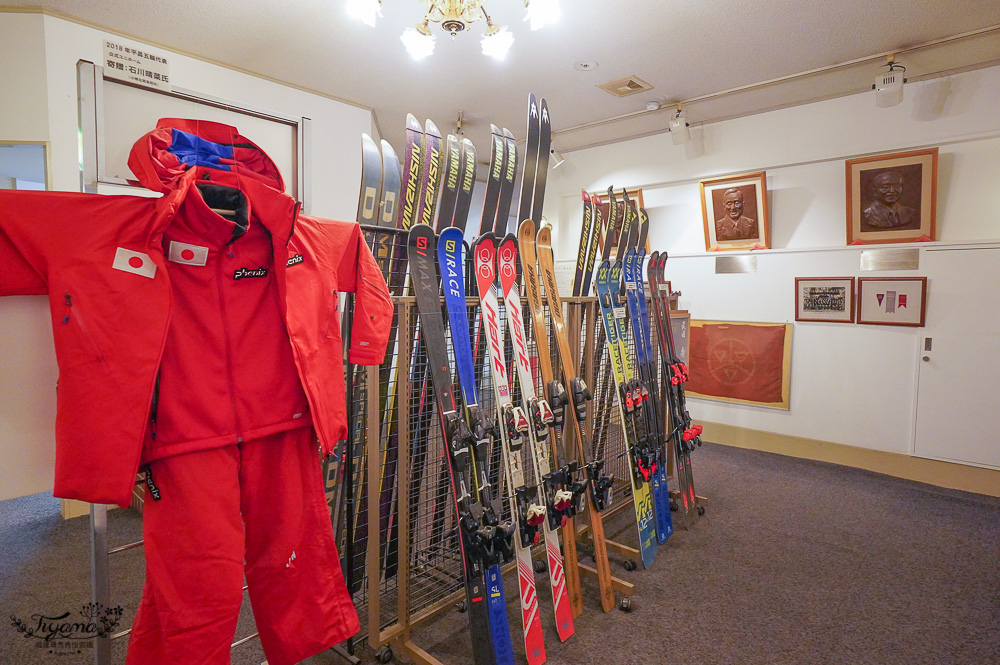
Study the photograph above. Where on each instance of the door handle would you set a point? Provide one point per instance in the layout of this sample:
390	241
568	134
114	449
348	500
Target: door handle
926	359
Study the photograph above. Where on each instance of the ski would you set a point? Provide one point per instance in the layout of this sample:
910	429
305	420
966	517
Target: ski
431	176
550	485
450	185
449	253
586	234
466	182
406	208
494	178
527	511
357	526
608	281
420	383
597	481
509	178
567	473
643	231
531	156
683	435
635	294
478	541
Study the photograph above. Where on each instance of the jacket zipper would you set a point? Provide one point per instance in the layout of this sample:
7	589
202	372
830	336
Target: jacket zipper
220	271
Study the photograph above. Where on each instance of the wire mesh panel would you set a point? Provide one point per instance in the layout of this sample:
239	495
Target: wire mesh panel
417	559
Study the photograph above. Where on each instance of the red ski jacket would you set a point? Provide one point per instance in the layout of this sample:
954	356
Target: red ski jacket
120	271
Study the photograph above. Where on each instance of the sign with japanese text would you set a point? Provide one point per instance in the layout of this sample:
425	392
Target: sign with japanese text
136	65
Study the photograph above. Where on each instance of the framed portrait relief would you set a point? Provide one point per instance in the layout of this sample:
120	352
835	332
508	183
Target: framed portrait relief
829	299
734	211
892	198
892	301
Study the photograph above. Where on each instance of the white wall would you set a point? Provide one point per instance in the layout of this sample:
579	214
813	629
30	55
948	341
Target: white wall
39	103
850	384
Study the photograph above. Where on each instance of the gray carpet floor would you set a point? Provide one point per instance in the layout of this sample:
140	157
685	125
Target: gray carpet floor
795	562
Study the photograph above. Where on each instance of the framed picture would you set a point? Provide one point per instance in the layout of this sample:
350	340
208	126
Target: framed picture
680	324
734	211
892	198
892	301
829	299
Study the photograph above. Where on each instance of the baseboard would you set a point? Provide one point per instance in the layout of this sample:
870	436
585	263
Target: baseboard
934	472
71	508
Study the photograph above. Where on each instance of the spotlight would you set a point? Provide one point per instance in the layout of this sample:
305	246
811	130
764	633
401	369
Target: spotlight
556	159
889	84
679	131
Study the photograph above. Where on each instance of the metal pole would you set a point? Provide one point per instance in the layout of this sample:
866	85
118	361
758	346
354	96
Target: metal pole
99	575
348	322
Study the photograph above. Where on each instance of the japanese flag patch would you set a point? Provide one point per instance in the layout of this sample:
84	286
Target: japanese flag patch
192	255
135	262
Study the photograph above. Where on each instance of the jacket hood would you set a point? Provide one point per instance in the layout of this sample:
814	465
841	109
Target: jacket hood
160	158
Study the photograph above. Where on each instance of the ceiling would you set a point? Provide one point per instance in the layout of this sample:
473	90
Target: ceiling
721	57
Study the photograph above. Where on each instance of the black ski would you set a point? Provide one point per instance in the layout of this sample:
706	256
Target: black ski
478	542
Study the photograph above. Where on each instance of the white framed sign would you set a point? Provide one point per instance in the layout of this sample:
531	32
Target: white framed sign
892	301
136	64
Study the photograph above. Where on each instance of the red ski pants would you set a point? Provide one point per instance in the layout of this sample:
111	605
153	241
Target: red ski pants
260	502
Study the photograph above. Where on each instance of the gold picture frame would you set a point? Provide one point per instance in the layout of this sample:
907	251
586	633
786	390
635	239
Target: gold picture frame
734	212
892	198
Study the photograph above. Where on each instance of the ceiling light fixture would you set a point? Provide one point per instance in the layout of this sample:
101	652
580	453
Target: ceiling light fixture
889	84
679	131
456	16
365	10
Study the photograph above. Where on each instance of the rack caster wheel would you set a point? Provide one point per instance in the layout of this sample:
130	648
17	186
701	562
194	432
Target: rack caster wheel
461	606
701	510
384	654
625	604
539	566
629	565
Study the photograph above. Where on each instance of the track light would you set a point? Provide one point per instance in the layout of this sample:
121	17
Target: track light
679	131
556	158
889	84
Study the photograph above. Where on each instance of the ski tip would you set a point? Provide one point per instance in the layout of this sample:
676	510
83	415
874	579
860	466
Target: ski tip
469	145
431	128
452	233
508	134
388	151
484	238
543	238
412	123
368	142
494	129
585	196
526	231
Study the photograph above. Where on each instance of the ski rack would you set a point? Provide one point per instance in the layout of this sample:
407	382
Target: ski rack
427	580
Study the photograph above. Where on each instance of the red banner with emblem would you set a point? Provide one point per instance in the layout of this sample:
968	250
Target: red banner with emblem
741	362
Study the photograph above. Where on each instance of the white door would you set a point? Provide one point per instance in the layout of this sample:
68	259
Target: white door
958	395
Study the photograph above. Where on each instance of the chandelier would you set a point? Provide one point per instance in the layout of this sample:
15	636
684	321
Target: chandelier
456	16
